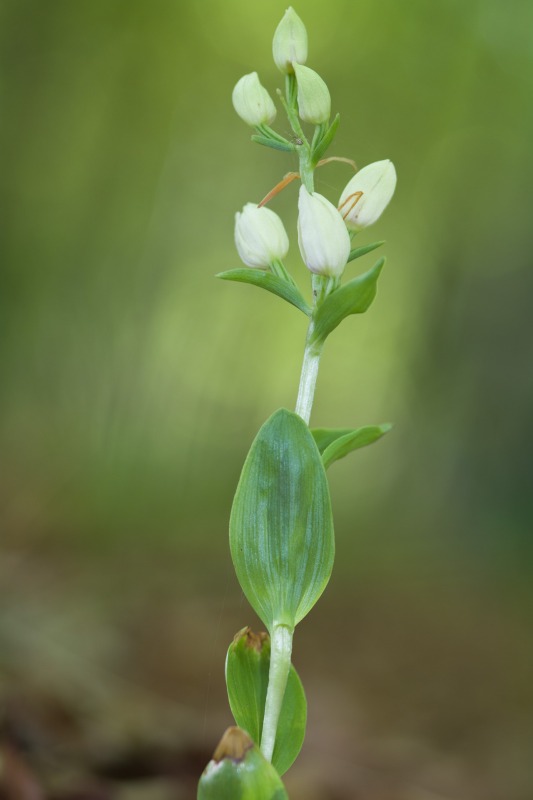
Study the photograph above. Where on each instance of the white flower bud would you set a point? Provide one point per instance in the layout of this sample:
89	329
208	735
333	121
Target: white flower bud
289	46
260	237
368	194
314	101
252	102
322	235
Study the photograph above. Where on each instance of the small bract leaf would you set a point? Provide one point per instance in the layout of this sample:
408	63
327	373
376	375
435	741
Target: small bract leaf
239	771
275	144
272	283
354	297
362	251
344	444
247	668
281	528
325	436
325	141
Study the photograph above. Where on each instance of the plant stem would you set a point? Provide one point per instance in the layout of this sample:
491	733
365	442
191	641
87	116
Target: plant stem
306	389
280	663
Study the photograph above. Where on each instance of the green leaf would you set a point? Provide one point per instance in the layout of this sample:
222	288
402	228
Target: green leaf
239	771
247	667
275	144
362	251
272	283
353	297
325	436
281	528
325	141
270	133
344	442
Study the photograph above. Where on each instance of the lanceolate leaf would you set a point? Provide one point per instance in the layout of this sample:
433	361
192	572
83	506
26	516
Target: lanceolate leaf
247	666
326	140
325	436
239	771
281	528
276	144
354	297
344	444
362	251
266	280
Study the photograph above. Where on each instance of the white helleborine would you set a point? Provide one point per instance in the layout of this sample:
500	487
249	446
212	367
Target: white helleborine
322	235
289	46
252	102
314	101
368	194
260	237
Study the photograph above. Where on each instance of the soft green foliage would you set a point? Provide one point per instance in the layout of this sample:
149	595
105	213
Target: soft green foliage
247	669
281	528
325	140
272	283
344	444
357	252
241	773
354	297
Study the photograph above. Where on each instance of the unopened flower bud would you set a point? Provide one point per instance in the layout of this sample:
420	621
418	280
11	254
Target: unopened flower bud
314	101
368	194
252	102
322	235
260	237
290	42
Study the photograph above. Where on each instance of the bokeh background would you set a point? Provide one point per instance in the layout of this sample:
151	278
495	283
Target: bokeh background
133	383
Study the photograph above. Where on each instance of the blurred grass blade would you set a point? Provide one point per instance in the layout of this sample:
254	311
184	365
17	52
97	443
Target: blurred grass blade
247	667
272	283
239	771
355	297
353	440
281	528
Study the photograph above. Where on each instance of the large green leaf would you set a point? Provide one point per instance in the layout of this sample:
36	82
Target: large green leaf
239	771
247	667
270	282
354	297
281	528
352	440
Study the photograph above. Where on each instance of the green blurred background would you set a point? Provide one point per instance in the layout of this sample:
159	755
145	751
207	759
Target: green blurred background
133	383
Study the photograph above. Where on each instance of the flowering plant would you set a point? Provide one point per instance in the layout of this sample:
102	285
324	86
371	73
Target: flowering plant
281	526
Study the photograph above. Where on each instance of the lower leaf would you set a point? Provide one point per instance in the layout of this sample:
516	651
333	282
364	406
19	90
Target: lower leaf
247	668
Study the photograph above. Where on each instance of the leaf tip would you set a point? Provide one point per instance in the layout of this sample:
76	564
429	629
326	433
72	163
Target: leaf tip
252	641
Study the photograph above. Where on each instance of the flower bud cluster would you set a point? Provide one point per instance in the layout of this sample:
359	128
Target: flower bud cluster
323	229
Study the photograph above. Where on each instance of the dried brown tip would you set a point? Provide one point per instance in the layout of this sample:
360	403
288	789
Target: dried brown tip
234	744
255	640
352	199
288	178
349	161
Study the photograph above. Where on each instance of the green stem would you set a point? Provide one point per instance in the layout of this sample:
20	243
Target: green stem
306	167
308	377
280	664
